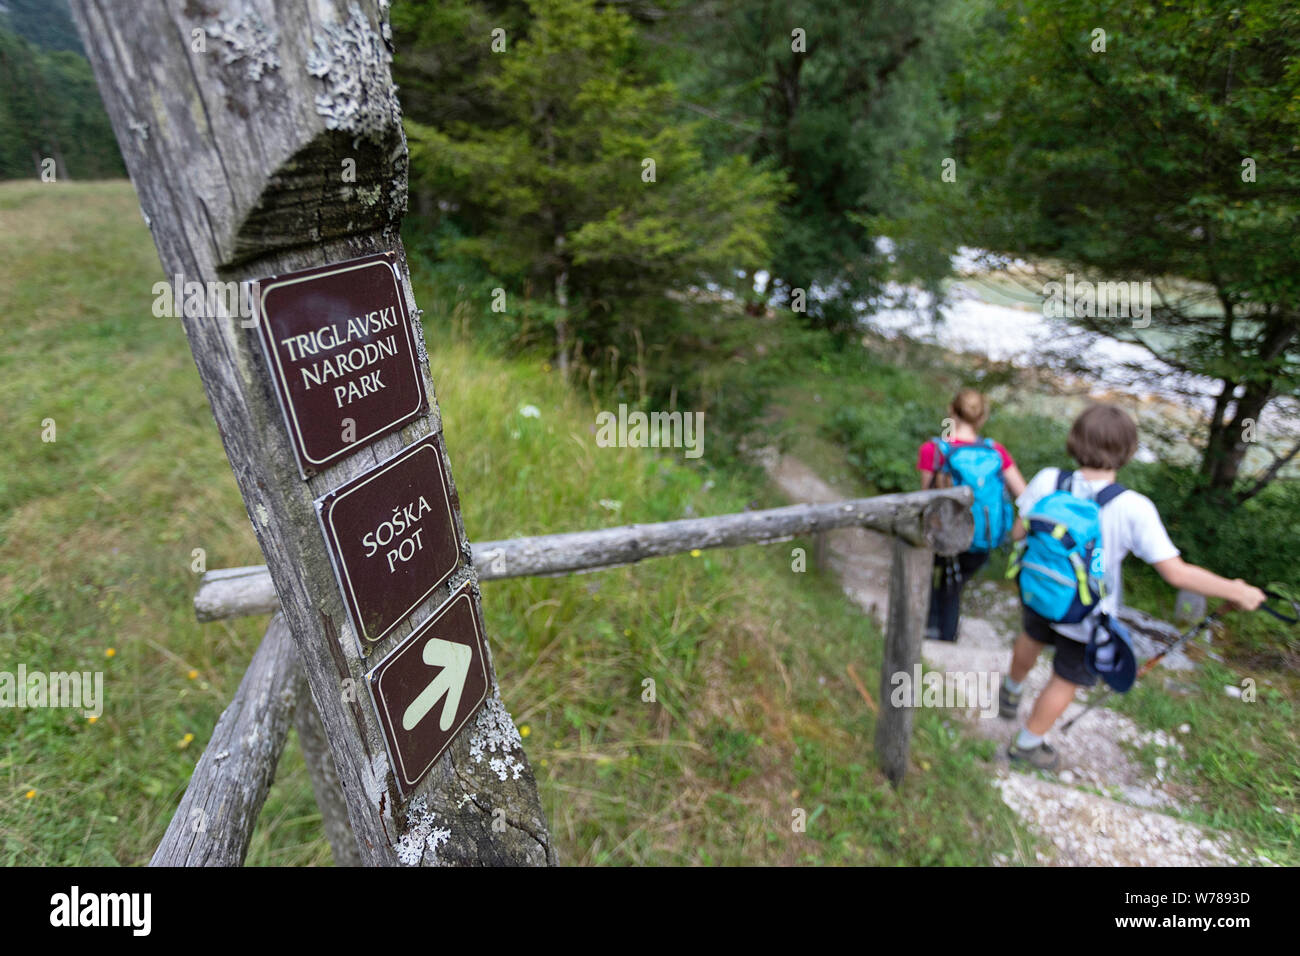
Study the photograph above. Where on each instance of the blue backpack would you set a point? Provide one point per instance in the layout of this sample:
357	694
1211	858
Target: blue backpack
1060	563
979	467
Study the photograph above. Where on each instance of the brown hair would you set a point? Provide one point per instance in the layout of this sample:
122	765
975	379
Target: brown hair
1103	436
969	405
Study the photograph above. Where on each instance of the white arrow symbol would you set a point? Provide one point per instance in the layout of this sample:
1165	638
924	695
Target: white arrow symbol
454	660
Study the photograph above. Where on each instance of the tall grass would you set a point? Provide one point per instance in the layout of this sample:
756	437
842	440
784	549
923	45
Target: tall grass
753	717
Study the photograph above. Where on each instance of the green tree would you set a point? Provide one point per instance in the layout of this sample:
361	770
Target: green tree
841	97
1156	141
50	108
579	184
45	24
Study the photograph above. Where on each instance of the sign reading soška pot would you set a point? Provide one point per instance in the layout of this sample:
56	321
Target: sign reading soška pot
391	537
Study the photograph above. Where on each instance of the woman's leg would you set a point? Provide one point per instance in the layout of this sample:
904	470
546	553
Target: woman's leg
936	599
945	592
960	570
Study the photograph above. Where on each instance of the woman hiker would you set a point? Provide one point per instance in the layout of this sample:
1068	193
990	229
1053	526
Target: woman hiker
960	458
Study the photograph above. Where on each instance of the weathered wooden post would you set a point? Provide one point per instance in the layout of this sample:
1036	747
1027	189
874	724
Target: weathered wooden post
212	826
945	528
909	577
325	784
264	139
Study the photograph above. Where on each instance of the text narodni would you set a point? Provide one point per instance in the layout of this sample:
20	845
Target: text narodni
358	358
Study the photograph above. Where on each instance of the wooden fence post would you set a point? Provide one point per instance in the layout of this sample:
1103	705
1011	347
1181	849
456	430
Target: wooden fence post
909	581
214	823
325	784
938	520
264	137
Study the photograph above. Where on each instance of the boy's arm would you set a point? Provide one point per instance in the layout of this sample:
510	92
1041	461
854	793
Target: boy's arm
1024	501
1190	577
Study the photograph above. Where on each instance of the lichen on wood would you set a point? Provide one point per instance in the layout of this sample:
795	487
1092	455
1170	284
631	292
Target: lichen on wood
354	62
247	38
423	835
495	733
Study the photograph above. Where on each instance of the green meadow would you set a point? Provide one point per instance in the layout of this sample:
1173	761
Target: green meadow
755	716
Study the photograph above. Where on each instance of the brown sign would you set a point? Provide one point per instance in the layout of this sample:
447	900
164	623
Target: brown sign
429	687
342	355
391	537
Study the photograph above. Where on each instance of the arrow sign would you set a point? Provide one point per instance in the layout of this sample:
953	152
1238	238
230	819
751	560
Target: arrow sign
440	667
454	660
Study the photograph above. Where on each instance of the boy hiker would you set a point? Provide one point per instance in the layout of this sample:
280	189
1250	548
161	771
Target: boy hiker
964	458
1102	439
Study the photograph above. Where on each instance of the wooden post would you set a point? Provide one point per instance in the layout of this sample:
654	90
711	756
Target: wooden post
325	784
909	581
265	137
214	822
822	550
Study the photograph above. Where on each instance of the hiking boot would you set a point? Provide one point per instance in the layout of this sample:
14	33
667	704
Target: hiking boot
1008	701
1041	757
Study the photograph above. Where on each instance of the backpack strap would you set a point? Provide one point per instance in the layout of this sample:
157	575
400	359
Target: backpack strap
1103	497
945	450
1109	494
1052	530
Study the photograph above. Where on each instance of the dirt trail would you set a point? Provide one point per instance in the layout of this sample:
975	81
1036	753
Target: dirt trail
1102	808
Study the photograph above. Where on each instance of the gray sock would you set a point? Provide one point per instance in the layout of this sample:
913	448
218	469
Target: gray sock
1027	741
1012	685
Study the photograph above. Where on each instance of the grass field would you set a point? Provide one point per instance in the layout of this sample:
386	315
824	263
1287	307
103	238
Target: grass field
755	715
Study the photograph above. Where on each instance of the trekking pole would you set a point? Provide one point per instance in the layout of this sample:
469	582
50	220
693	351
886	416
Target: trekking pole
1151	663
1284	618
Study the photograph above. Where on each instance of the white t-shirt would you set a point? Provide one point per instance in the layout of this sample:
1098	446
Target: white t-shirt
1129	524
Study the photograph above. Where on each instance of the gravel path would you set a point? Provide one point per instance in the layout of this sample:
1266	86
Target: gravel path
1103	807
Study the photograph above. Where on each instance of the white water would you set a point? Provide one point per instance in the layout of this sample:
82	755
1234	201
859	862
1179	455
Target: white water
1025	337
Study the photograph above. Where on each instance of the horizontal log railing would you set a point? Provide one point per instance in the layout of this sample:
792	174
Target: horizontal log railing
938	521
214	823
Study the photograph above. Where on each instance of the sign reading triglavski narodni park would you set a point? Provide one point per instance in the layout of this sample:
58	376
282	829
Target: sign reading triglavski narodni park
391	537
429	687
342	355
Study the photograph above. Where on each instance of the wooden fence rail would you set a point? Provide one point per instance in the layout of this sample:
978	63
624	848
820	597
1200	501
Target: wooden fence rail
214	823
937	521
